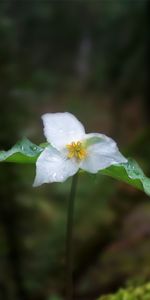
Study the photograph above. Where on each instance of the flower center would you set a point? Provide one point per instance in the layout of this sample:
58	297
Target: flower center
77	150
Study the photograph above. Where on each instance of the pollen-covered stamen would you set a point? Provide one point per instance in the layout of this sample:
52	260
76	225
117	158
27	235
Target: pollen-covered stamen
77	150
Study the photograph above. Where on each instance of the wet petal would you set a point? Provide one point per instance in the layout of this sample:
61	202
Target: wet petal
52	166
61	129
102	154
106	143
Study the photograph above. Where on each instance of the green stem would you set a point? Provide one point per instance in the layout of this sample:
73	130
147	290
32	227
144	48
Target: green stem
69	240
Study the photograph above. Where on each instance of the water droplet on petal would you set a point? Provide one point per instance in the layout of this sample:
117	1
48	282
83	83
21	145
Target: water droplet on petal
33	148
54	176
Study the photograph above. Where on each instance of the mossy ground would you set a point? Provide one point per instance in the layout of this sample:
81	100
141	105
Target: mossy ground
138	293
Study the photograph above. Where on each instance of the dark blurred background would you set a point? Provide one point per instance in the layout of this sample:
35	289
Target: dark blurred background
89	58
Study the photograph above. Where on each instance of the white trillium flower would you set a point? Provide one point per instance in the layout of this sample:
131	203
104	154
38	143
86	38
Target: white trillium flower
72	149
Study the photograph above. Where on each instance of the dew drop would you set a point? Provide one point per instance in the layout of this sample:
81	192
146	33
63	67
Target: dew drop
54	176
33	148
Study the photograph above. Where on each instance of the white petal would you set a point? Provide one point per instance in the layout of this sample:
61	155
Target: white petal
52	166
102	154
62	128
106	143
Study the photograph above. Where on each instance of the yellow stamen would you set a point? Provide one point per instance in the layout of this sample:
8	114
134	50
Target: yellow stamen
77	150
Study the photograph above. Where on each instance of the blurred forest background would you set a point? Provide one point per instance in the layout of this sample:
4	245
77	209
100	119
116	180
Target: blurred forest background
89	58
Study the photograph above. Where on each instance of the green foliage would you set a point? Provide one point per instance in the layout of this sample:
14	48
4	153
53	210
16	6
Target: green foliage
42	45
22	152
138	293
26	152
130	173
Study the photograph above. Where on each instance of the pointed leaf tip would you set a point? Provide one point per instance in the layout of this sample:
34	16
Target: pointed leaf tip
130	173
23	151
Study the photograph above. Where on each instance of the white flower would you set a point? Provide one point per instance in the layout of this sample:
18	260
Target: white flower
72	149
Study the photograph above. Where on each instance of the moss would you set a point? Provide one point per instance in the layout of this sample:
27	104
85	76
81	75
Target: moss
138	293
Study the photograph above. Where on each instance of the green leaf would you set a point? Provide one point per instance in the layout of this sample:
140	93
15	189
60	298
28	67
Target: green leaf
26	152
131	293
130	173
22	152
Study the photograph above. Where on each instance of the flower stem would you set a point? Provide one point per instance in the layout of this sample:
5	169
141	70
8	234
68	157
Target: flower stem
69	240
